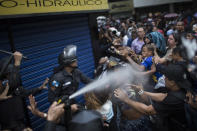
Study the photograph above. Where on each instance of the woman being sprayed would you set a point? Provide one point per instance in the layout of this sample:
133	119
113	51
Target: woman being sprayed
173	40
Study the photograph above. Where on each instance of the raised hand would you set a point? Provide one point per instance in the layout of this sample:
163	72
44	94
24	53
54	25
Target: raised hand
17	58
120	94
55	111
3	95
33	105
44	84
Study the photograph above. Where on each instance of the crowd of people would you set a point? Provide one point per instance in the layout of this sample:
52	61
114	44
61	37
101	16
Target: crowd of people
160	48
161	96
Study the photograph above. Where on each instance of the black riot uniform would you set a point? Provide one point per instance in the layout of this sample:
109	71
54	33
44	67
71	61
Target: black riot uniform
63	83
12	113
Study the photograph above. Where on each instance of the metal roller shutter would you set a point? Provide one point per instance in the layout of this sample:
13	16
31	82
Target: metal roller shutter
4	41
41	40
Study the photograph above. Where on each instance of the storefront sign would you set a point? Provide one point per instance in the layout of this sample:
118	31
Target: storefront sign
122	6
17	7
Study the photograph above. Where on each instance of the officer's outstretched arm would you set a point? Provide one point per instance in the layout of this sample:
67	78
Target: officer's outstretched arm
84	78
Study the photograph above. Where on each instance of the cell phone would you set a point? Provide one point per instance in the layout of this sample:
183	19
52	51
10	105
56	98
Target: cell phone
4	83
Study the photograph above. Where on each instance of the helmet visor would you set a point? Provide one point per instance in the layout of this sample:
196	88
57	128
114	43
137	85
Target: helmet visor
70	51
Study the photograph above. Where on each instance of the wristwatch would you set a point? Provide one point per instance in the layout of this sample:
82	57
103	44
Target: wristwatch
45	115
141	92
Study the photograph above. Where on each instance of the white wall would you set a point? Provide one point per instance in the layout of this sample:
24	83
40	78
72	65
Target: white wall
143	3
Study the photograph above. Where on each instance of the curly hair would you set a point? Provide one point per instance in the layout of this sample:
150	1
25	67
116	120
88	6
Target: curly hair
92	102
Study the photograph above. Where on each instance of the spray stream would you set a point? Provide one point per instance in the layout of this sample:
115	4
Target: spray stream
117	78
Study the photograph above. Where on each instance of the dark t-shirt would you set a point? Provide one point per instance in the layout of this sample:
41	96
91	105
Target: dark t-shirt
172	106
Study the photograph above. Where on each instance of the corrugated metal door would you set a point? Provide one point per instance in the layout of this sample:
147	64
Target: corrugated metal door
41	39
4	41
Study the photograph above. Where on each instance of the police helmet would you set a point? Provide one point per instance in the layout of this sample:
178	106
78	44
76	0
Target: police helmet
68	55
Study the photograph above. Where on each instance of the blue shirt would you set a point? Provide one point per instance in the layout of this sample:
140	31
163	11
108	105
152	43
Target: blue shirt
129	42
147	63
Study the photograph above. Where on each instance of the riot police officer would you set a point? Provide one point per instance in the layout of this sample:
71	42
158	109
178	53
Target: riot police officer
66	77
12	94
